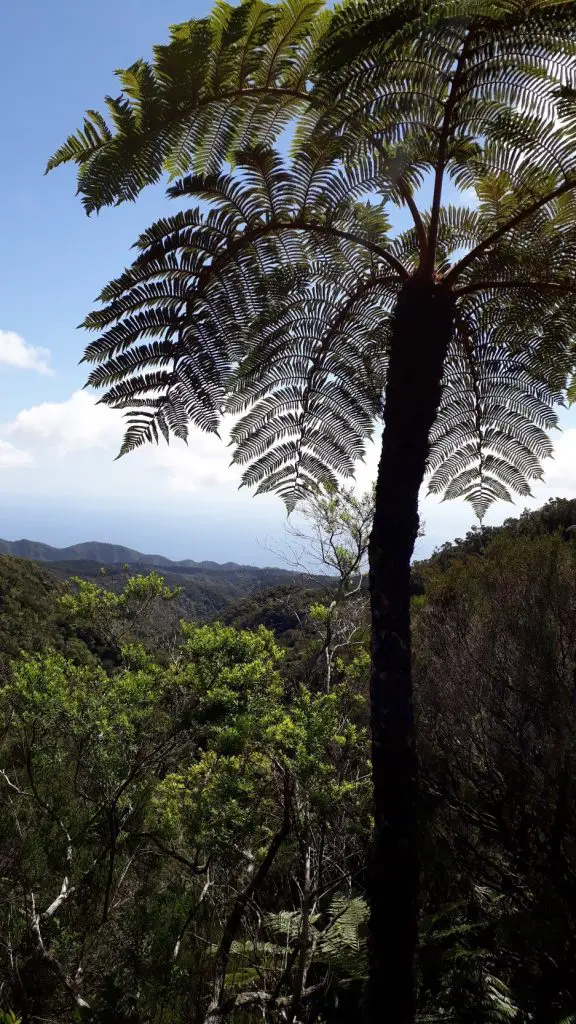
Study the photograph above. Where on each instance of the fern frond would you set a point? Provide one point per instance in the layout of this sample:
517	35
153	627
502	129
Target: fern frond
491	433
219	83
270	294
230	305
342	944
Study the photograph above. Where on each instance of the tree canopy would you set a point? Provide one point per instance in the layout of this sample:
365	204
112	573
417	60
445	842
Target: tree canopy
186	842
271	296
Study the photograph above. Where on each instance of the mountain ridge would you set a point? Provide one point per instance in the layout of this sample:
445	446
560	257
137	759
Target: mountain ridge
206	589
111	554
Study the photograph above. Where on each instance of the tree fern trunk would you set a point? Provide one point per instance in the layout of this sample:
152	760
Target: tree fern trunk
421	335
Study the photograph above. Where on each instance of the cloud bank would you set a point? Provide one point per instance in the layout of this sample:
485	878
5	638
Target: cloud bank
78	438
16	353
67	450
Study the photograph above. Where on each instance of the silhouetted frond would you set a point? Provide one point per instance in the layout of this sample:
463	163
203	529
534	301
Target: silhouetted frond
233	78
492	430
269	295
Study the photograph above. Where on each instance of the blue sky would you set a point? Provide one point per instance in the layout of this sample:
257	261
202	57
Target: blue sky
58	480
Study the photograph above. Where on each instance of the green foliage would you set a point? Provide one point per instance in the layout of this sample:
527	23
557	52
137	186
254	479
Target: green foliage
280	609
494	650
240	72
121	616
140	801
32	620
557	516
273	297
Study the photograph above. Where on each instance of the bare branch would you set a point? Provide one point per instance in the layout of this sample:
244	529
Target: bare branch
54	965
189	917
263	999
215	1011
12	785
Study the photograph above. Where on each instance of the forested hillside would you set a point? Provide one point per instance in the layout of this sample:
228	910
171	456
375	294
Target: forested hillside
205	588
186	809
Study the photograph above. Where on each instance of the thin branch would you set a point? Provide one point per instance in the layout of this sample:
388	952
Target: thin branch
234	921
189	917
12	785
65	893
192	866
110	871
116	902
66	890
418	222
303	944
50	960
263	999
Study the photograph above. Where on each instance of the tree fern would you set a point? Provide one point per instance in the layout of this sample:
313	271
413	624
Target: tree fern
276	306
280	294
204	282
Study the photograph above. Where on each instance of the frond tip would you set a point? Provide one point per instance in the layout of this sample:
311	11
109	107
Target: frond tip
237	76
492	429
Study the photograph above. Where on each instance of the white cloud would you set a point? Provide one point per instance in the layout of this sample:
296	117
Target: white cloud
190	472
13	458
74	425
202	464
559	472
15	352
73	444
78	426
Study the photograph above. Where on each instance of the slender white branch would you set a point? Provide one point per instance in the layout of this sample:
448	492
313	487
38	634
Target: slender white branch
65	893
189	916
34	919
12	785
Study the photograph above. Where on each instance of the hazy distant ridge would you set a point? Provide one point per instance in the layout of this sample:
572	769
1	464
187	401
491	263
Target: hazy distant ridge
107	554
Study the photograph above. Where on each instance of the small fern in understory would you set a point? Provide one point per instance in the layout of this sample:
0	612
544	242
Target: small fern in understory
342	946
468	984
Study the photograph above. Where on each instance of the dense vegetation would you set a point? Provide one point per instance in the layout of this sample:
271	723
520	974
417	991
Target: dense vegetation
186	816
205	588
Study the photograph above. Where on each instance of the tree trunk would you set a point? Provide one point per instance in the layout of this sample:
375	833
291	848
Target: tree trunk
217	1012
422	329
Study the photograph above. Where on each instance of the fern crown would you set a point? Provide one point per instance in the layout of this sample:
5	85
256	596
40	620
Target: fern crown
269	294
